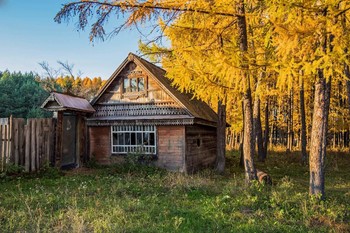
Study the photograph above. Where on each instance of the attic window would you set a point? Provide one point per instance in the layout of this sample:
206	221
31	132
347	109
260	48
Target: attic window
133	85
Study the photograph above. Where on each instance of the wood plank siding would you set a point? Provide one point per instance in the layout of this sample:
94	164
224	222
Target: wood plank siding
200	147
171	148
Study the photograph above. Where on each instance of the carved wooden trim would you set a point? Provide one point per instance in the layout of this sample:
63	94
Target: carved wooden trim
138	122
138	109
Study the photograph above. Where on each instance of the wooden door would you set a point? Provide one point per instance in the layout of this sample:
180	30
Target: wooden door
69	141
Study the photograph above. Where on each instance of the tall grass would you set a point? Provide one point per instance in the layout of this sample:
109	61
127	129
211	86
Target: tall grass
145	199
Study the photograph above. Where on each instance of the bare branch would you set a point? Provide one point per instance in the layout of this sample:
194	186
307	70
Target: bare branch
67	67
49	71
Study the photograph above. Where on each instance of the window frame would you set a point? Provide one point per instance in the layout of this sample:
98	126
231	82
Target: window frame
129	90
134	148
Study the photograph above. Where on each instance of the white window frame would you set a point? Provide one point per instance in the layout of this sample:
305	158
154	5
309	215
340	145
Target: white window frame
137	148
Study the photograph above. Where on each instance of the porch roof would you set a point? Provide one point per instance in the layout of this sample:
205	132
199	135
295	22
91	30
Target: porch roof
62	102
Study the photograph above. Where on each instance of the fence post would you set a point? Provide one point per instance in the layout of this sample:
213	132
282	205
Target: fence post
27	146
21	141
9	141
38	143
4	146
33	146
16	141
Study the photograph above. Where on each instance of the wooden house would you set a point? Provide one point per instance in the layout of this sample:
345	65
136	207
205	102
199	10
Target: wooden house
138	111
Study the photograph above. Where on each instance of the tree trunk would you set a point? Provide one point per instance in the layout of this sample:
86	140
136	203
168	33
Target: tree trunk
221	127
266	131
241	161
290	122
303	123
319	136
248	142
347	74
257	127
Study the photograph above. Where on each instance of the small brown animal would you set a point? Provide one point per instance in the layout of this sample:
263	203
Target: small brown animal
263	177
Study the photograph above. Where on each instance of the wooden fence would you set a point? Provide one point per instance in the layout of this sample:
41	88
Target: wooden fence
28	143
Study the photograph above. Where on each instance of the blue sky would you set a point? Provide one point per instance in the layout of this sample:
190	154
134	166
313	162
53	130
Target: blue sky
29	35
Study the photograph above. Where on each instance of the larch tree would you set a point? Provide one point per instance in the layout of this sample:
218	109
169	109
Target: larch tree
214	59
309	35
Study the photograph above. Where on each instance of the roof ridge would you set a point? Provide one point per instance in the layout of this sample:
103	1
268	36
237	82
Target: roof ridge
141	58
68	93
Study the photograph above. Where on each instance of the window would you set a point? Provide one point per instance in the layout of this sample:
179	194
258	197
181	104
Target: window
133	84
134	139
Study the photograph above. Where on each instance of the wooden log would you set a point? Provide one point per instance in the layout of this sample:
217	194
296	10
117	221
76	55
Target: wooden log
263	177
27	146
33	145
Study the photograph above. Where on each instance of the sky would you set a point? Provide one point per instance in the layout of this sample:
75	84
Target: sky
29	35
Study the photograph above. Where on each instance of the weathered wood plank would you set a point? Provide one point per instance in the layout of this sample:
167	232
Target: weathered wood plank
48	140
33	145
1	148
27	146
52	142
38	142
4	145
9	141
16	141
21	141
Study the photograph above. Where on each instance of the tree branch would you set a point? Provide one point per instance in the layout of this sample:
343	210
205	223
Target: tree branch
146	5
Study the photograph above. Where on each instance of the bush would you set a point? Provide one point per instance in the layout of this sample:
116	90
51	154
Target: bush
12	169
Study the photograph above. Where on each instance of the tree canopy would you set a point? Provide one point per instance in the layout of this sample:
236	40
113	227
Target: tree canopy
21	95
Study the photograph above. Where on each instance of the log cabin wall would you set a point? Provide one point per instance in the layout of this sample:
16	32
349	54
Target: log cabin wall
100	144
171	148
200	147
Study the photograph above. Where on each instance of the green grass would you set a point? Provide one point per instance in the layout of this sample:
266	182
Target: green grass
144	199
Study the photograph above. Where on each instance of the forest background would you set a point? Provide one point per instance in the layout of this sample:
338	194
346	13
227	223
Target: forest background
21	94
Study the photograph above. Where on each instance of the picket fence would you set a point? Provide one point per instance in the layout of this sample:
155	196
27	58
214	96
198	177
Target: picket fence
27	143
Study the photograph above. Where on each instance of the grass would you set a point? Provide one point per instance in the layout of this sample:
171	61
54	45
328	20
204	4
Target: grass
144	199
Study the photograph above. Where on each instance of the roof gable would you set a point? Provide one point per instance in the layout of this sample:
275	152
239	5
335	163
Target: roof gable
193	107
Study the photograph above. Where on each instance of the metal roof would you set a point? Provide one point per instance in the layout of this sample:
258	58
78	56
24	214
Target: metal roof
61	102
